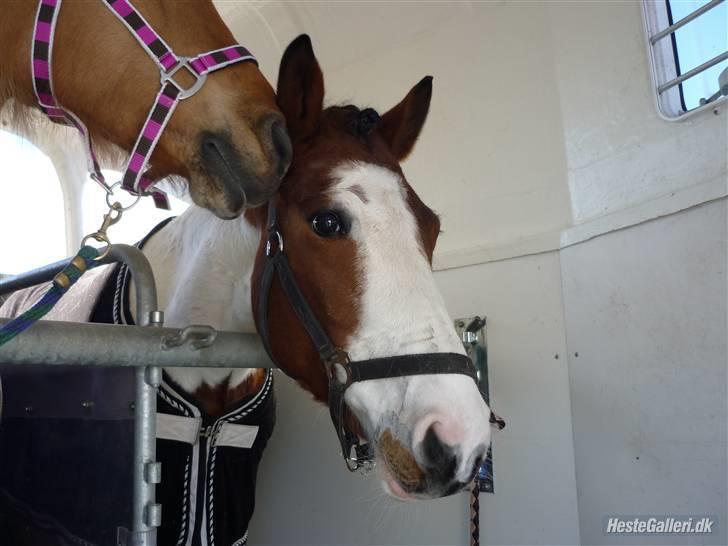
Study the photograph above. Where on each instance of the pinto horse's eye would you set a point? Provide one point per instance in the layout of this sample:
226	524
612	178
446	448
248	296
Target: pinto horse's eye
328	224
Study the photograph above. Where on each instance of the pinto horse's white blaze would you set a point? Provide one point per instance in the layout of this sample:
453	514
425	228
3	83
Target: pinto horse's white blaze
402	312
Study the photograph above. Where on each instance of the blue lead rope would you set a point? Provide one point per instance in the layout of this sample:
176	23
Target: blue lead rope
82	262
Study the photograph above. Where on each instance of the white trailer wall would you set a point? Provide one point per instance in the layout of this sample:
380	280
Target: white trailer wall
578	221
561	192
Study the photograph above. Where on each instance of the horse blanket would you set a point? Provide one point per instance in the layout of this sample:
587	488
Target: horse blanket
66	443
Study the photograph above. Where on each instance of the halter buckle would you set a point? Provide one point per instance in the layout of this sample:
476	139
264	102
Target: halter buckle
168	76
337	365
363	461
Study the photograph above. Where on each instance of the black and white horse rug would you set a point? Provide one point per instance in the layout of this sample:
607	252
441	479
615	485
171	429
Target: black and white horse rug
66	444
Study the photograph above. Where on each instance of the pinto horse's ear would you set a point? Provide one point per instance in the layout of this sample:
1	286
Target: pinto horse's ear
300	87
401	126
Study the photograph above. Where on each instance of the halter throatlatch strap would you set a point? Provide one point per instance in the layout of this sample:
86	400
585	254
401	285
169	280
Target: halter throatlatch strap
340	370
171	92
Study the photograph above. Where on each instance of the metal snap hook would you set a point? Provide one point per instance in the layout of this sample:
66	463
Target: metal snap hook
110	218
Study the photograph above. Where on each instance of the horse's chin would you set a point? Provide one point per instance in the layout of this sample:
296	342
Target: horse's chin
392	487
208	192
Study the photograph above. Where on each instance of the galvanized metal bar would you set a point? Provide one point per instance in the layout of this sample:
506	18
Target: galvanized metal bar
69	343
684	21
148	347
146	513
141	272
695	71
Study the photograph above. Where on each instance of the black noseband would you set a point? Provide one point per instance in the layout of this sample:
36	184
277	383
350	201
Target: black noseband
340	371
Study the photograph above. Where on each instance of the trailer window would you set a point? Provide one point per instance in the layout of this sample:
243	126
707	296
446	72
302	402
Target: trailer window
136	222
688	46
31	207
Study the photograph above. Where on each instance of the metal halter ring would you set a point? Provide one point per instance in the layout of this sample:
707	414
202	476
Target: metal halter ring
168	76
116	205
269	246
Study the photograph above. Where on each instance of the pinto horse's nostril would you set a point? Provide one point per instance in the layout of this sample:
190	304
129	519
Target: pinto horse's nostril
440	459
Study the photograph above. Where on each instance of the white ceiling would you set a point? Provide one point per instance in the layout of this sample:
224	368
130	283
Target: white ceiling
343	32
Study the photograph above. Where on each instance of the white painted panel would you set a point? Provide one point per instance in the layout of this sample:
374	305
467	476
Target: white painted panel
535	499
646	311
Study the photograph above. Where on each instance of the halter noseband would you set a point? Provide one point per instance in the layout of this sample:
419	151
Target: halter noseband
340	370
171	92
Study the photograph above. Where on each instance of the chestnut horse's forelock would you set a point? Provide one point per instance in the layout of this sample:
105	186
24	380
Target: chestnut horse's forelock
327	271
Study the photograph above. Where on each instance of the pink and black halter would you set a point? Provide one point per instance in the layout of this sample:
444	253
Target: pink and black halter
171	92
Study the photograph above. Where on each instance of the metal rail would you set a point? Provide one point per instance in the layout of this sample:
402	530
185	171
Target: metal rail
695	71
147	347
684	21
57	343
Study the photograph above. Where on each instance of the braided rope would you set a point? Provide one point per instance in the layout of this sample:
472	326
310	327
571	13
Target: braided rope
475	515
61	283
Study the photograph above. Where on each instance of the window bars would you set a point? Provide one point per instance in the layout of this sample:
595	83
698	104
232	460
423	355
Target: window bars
665	53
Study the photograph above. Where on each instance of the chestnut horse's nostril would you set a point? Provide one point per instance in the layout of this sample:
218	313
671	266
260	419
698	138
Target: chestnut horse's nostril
221	159
281	145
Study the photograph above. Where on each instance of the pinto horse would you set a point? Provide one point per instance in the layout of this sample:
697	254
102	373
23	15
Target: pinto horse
359	242
229	140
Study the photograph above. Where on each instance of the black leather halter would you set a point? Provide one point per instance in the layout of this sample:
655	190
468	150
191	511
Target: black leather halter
340	370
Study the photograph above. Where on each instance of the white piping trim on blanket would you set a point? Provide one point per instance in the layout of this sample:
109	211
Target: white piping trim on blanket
241	412
241	541
117	312
188	516
185	500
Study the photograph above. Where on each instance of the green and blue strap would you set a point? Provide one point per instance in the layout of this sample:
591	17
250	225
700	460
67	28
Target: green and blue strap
82	262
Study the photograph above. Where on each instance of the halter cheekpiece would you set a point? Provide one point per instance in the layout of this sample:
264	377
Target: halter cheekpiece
340	370
134	180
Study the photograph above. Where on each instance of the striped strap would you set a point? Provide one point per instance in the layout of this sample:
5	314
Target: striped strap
150	41
134	180
215	60
43	83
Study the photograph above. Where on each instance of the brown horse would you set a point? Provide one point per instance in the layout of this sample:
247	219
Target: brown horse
359	242
228	141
